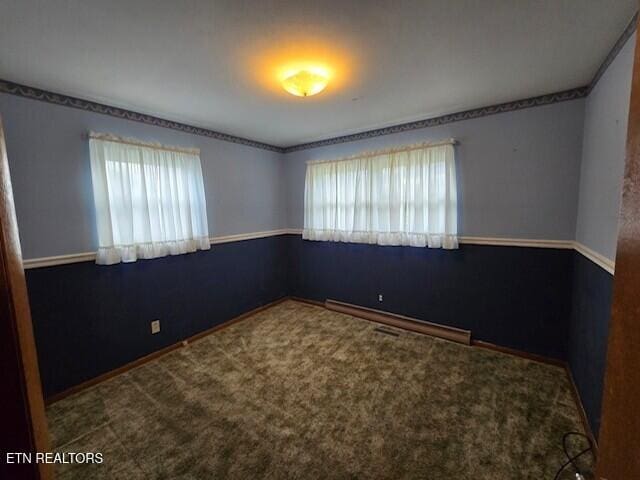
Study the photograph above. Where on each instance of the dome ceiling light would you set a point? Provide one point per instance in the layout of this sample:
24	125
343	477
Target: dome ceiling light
305	83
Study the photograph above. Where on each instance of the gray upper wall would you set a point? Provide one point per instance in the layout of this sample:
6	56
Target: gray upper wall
518	172
50	171
603	154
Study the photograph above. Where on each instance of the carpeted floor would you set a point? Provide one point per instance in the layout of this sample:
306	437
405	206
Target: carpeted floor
300	392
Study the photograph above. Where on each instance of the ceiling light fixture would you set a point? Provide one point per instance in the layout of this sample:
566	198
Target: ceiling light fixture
305	83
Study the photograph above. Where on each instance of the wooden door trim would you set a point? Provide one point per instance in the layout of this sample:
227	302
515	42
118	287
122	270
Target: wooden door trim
619	438
15	292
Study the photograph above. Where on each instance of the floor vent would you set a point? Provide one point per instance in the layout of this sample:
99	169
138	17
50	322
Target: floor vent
386	332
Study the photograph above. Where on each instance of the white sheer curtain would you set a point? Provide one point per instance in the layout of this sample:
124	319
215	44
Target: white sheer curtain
405	196
149	199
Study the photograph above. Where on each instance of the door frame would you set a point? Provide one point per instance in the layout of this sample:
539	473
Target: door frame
19	357
619	438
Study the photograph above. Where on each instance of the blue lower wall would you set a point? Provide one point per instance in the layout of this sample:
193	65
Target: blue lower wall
511	296
91	319
588	333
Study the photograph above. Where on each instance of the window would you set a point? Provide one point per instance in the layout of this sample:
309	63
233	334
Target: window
149	199
405	196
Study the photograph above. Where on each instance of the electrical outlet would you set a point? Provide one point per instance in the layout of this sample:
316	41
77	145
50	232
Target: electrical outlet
380	297
155	326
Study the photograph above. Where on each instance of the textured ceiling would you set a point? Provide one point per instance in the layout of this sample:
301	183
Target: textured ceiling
214	64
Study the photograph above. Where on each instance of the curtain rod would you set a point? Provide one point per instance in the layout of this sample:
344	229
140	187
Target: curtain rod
107	137
406	148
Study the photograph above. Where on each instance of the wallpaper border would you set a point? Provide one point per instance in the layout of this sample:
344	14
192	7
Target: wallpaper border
540	100
547	99
615	50
33	93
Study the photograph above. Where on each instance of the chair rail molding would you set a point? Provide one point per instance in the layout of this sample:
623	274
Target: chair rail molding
597	258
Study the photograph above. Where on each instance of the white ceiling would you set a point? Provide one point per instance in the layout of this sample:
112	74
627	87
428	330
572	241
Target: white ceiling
210	62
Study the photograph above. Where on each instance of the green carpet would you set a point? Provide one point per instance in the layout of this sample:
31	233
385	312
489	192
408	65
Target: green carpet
301	392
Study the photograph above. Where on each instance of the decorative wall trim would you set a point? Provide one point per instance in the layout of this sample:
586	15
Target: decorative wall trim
248	236
73	102
59	260
91	256
557	97
598	259
595	257
563	96
33	93
615	50
517	242
497	241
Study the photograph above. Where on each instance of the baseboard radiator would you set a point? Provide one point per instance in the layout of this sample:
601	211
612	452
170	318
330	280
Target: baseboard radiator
400	321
